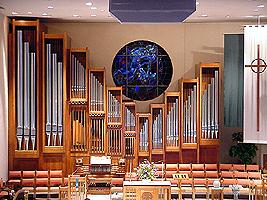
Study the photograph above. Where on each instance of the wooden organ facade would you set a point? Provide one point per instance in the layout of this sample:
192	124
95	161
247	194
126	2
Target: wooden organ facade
60	109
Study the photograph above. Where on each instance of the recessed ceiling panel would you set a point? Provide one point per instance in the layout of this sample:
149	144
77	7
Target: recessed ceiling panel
152	11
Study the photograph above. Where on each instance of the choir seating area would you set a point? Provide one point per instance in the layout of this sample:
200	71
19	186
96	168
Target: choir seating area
38	183
198	182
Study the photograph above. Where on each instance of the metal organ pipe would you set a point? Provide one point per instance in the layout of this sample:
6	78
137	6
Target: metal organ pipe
195	113
48	93
33	103
216	111
172	124
19	90
25	93
60	100
157	131
190	116
210	107
55	99
97	94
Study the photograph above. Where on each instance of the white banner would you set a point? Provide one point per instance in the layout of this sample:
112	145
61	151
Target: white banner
254	36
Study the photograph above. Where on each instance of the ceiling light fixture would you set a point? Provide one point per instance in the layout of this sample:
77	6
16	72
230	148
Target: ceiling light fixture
76	15
260	6
44	14
93	8
89	4
197	3
93	15
50	7
29	13
14	13
249	16
102	10
204	15
227	16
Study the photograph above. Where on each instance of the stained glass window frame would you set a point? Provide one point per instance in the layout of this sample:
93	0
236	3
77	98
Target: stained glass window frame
161	56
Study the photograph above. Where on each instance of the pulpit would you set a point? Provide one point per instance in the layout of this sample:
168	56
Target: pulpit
144	190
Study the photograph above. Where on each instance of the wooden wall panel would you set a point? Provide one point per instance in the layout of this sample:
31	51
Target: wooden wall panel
209	154
172	157
189	156
25	164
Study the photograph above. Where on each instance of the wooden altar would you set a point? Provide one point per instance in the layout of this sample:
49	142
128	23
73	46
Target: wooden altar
140	190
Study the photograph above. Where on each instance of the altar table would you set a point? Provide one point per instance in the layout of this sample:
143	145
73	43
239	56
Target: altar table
143	190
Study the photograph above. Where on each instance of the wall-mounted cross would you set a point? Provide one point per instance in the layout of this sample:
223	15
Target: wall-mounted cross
260	64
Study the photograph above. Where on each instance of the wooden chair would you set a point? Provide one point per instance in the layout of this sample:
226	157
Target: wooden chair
211	167
239	167
56	180
185	184
261	190
41	183
226	167
211	176
200	187
14	178
254	168
63	193
21	193
198	167
77	187
28	181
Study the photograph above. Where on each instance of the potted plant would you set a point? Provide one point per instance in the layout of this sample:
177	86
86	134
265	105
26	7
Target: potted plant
244	152
146	171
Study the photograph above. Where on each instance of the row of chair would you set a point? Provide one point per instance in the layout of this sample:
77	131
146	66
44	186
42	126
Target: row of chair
38	181
209	167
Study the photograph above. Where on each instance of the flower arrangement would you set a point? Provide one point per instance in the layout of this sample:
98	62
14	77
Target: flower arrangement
146	170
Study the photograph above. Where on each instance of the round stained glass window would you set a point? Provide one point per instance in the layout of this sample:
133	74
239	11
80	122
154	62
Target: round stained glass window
143	69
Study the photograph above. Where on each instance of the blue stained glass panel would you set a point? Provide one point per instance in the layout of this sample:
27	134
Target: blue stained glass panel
143	69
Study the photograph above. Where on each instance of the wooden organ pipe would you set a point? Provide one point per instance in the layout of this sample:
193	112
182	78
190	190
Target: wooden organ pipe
129	146
78	118
210	102
190	115
54	96
114	141
97	135
26	92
